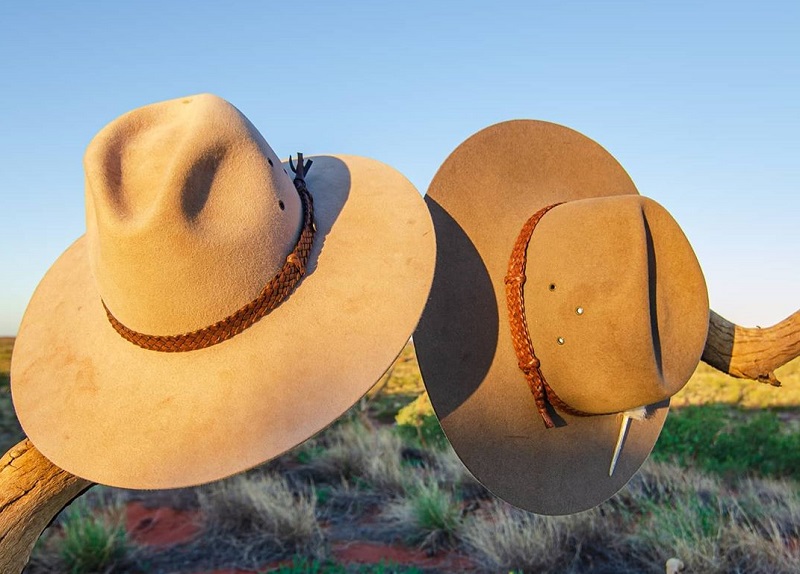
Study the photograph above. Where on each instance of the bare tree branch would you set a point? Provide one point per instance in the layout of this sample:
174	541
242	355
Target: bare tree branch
752	353
32	492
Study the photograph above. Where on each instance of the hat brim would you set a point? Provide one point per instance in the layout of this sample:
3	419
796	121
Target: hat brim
111	412
479	200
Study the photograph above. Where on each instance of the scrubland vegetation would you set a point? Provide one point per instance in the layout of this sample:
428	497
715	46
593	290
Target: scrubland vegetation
720	492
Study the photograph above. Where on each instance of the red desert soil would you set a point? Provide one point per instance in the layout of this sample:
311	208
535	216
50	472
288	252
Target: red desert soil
164	526
355	552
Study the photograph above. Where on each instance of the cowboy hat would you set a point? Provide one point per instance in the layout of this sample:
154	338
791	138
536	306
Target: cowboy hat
565	311
216	313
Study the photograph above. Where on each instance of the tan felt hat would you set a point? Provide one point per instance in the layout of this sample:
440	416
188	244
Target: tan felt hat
565	311
214	314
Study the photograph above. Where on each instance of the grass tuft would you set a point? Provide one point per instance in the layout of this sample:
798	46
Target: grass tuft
428	515
363	456
92	542
85	539
506	538
249	511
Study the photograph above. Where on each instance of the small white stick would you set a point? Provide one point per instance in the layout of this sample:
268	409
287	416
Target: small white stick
626	419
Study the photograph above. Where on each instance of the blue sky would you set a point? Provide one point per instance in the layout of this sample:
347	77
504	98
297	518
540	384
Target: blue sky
699	101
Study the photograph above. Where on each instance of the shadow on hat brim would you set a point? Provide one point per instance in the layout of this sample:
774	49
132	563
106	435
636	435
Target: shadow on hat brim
479	200
111	412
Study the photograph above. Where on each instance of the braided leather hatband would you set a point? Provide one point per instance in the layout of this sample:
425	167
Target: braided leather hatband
273	294
515	299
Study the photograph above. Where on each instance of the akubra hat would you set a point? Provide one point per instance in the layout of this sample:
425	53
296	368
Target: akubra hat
219	309
565	311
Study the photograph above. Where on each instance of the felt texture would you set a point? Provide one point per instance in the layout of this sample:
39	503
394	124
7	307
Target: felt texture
625	263
618	256
111	412
183	214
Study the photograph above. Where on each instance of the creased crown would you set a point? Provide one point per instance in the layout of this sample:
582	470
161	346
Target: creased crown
616	303
189	214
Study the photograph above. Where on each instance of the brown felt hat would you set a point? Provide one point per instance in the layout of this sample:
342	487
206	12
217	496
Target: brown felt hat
560	297
219	310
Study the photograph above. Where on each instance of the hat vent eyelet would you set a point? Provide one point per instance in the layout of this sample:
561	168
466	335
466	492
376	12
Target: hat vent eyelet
579	310
560	340
552	287
269	161
281	205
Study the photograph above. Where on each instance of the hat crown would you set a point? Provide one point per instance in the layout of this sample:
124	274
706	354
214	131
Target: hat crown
189	214
616	303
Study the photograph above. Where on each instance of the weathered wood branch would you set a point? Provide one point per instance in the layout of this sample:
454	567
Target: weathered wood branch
752	353
33	490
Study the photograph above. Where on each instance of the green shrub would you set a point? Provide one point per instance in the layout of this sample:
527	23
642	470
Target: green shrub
417	423
91	541
428	515
730	441
434	509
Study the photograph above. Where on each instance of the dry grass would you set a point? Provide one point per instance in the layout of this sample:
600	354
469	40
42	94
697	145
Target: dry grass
506	538
660	483
362	455
749	525
450	471
249	510
717	536
665	511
